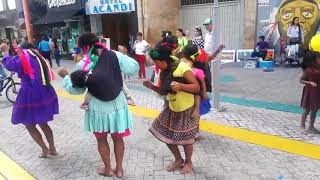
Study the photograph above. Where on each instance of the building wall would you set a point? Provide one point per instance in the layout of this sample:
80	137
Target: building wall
155	16
274	19
250	15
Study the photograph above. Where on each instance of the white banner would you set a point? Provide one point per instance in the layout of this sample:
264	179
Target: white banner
109	6
262	3
58	3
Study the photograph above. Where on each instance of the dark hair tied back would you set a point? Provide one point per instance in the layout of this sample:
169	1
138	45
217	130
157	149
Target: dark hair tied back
87	39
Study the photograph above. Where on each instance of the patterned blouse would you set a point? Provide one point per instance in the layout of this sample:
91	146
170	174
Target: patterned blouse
199	42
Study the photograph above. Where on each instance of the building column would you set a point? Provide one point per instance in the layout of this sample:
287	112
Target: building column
155	16
95	23
250	24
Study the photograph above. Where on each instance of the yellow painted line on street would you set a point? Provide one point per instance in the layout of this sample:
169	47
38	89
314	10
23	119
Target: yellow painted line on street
2	177
9	170
261	139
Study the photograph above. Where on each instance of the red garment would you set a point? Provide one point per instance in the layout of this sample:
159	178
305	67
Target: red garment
120	135
203	56
311	95
141	60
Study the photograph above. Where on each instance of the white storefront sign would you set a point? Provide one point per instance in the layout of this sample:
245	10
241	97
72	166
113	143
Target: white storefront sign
58	3
262	3
109	6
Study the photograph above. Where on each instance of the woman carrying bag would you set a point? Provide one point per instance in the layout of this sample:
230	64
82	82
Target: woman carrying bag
296	37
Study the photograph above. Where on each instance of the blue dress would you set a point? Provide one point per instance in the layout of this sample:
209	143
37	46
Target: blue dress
108	116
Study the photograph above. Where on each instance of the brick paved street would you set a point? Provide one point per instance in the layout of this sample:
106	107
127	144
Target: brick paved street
215	157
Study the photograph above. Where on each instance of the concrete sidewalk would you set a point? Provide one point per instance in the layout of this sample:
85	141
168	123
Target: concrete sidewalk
215	157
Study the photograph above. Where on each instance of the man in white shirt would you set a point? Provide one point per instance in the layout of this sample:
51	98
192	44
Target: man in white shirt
141	47
209	39
209	47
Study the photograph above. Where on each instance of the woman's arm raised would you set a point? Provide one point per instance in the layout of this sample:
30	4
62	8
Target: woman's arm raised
127	64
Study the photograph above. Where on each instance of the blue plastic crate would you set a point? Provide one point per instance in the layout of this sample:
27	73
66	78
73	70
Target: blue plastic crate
266	64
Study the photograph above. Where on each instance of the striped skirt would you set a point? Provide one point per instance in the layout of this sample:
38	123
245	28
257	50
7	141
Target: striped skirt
178	128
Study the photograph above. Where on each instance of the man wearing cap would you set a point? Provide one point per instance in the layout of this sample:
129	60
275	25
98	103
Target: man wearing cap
209	47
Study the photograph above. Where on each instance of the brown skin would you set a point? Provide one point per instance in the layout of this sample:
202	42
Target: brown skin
215	54
104	150
33	130
191	87
179	34
304	80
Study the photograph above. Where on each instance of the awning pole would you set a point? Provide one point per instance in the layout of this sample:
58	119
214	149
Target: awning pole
27	20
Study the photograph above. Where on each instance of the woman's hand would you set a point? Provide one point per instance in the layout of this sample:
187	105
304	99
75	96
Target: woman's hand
205	96
313	84
63	72
4	48
175	86
148	84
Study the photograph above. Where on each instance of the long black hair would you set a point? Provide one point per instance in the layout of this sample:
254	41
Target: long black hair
292	23
199	30
88	40
182	32
189	51
309	59
162	52
55	43
43	62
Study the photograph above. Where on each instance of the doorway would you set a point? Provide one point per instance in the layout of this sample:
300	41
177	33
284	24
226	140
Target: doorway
120	28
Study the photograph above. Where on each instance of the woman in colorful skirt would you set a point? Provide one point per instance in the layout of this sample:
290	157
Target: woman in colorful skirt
37	102
108	111
175	125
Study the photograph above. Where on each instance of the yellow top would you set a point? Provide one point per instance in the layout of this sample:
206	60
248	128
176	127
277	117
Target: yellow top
315	43
181	101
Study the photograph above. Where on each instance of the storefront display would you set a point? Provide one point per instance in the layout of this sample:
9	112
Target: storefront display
64	20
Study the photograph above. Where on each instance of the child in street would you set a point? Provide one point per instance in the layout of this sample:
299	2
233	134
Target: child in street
310	100
190	54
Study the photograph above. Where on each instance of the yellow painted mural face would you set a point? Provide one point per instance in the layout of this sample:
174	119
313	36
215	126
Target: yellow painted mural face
308	13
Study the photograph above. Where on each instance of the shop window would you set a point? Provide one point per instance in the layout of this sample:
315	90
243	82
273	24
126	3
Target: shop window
199	2
195	2
227	1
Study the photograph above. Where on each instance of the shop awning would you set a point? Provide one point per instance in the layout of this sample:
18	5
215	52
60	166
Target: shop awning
8	18
57	17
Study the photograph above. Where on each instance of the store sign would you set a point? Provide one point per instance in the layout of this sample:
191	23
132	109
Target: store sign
109	6
263	3
58	3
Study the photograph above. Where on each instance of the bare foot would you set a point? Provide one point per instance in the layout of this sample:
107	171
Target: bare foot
105	172
53	152
44	153
175	165
313	130
119	172
187	168
131	102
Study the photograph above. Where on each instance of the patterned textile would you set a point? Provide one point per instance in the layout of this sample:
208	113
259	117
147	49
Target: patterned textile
178	128
198	41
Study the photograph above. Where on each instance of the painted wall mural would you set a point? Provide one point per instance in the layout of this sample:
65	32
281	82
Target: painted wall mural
275	18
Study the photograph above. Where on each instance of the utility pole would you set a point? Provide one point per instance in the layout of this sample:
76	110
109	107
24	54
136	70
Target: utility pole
27	20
